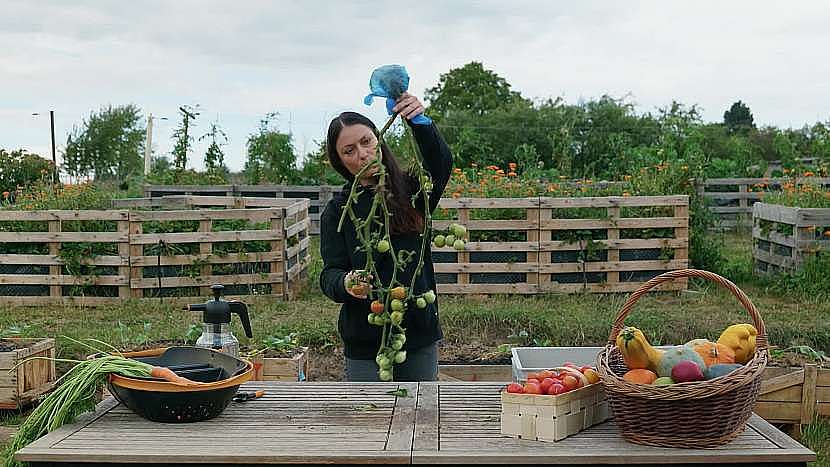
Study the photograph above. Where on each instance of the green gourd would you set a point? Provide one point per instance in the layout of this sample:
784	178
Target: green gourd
720	369
676	354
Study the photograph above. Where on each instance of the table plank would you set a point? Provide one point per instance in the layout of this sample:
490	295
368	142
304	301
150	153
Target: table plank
291	423
468	430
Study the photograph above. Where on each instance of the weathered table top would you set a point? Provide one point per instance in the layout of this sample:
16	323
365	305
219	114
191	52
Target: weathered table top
445	422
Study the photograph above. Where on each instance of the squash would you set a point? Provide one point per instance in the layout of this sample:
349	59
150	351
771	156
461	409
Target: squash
636	351
712	353
675	355
741	339
640	376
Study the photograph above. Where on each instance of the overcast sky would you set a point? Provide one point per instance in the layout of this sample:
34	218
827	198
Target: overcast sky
311	60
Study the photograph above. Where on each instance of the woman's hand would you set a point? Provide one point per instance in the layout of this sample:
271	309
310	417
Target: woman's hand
408	106
358	284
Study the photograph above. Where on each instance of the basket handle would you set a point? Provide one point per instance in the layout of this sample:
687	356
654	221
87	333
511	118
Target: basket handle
760	340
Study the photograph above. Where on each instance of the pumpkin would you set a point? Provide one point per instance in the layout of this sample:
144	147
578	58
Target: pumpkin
640	376
741	339
636	351
712	353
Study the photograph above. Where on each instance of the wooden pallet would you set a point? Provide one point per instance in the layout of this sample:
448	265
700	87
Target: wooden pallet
794	395
489	266
608	253
783	237
731	199
32	278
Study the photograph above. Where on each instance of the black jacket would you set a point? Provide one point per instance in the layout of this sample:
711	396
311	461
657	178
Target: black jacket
338	250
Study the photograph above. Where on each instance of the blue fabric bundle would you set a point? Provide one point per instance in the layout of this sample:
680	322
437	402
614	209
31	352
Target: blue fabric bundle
390	81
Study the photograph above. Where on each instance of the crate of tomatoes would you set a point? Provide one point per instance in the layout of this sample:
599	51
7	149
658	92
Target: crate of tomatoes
553	404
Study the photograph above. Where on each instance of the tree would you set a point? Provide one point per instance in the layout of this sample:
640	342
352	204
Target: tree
19	168
183	140
738	119
108	144
469	88
317	169
270	154
214	156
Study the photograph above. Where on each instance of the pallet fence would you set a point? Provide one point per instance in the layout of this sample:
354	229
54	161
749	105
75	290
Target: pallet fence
732	198
121	254
783	237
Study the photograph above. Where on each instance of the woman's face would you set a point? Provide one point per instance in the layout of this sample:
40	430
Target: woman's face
356	147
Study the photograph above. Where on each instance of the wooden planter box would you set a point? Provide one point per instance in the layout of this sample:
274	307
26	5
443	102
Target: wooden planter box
783	237
794	395
552	418
30	380
281	369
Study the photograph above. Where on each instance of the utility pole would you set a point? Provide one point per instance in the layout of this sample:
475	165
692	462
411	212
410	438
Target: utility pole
148	145
55	173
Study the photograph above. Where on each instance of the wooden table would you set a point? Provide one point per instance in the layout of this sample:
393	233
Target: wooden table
445	422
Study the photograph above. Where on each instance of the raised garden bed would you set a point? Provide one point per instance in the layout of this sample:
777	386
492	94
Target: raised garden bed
783	237
27	382
273	365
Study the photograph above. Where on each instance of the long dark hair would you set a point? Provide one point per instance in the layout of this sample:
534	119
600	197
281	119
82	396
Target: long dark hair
399	184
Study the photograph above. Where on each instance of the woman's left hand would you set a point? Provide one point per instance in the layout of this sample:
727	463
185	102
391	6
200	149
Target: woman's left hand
408	106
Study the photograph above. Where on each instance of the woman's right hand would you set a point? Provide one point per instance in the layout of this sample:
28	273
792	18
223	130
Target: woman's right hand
358	284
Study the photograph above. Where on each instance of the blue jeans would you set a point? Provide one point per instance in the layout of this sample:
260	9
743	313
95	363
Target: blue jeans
420	365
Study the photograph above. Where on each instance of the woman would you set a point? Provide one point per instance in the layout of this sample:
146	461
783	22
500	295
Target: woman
351	143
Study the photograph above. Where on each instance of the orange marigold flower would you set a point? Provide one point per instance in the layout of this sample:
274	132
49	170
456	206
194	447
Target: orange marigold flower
827	233
5	194
808	174
500	171
626	177
512	165
456	170
511	174
456	195
625	193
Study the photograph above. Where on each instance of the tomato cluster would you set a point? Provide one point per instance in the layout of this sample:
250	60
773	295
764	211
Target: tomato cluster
554	382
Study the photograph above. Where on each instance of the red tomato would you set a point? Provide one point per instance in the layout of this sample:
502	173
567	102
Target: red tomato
570	365
532	388
533	380
582	369
545	374
377	307
545	384
532	376
515	388
556	388
570	382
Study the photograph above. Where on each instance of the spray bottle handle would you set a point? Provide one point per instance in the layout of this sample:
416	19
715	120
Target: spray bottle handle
242	310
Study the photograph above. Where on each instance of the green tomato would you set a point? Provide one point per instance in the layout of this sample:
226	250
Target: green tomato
379	358
385	375
396	317
397	305
397	345
384	363
429	296
400	357
400	337
421	302
371	318
459	230
383	246
450	239
459	245
428	187
439	241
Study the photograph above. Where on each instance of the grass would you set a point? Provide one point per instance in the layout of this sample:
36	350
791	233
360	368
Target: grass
556	319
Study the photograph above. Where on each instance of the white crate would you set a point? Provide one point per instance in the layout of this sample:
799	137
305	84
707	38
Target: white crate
534	359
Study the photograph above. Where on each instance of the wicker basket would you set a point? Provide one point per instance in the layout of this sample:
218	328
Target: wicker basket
698	414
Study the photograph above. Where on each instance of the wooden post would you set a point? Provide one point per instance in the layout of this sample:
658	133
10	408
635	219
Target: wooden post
544	256
464	255
533	237
613	233
278	246
680	233
205	249
55	291
136	273
124	253
808	393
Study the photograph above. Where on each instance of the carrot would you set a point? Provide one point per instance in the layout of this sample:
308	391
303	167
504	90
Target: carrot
168	375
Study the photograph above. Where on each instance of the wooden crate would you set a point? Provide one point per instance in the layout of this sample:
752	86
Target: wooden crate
731	199
490	264
37	244
281	369
783	237
553	418
27	382
614	251
794	395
